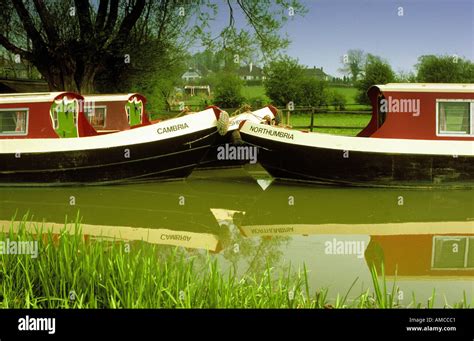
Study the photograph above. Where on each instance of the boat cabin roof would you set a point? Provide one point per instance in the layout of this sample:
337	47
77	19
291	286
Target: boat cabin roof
33	97
426	87
113	97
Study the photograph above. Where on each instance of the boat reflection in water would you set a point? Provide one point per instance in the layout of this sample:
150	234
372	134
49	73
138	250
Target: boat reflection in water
425	239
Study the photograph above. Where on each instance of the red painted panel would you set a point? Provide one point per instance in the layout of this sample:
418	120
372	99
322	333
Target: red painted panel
39	120
411	125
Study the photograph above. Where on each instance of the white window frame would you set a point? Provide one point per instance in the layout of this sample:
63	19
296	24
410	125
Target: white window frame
471	118
466	252
27	110
105	113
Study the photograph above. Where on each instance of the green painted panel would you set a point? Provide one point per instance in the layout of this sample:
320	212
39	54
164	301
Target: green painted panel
134	111
64	116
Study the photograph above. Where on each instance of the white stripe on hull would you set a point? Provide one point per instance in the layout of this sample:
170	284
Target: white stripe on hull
195	122
360	144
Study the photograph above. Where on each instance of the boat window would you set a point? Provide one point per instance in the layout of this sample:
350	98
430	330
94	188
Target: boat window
453	252
454	118
96	115
13	121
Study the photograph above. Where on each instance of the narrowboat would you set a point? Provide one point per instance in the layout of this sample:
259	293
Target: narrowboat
229	150
45	138
419	135
112	113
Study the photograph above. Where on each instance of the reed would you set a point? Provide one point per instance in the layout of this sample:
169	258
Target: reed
73	272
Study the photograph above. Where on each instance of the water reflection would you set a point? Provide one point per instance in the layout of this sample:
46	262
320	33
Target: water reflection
424	237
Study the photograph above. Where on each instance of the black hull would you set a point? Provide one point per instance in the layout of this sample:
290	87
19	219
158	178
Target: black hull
173	158
211	161
329	166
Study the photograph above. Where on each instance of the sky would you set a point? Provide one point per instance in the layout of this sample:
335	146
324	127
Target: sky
331	27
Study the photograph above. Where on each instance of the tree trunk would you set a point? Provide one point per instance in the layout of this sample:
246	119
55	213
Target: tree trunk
86	79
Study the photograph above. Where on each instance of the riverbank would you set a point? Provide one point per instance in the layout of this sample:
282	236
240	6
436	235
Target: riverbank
73	271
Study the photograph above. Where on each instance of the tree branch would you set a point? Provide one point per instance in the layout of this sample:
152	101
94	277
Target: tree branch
252	22
13	48
47	21
128	22
27	22
84	16
111	19
101	14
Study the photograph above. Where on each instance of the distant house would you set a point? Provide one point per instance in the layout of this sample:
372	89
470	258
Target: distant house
251	73
191	75
318	73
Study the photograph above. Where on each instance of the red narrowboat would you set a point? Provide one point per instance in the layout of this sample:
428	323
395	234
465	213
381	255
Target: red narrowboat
110	113
45	138
419	135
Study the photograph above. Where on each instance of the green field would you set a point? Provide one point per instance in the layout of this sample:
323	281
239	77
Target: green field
258	91
250	92
343	120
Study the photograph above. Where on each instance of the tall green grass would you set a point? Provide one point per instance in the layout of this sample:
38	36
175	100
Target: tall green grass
74	272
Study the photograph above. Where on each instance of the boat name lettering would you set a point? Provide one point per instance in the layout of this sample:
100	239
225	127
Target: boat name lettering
175	127
272	230
175	237
281	134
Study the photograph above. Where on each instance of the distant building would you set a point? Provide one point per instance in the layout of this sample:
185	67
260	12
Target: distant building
191	75
318	73
251	73
194	90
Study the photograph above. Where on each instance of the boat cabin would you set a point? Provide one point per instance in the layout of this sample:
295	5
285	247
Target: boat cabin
421	111
43	115
423	255
66	114
108	113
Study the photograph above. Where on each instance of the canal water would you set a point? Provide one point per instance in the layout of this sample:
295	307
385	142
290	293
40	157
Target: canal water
424	238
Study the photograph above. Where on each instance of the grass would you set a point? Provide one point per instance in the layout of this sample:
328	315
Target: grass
348	120
71	272
253	91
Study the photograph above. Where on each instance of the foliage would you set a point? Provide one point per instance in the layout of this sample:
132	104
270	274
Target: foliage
116	40
376	71
228	91
337	99
353	64
71	272
444	69
287	81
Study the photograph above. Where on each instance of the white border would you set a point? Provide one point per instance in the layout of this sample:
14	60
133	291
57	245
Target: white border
471	118
466	252
27	121
363	144
196	122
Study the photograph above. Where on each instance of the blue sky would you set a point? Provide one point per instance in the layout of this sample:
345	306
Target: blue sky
331	27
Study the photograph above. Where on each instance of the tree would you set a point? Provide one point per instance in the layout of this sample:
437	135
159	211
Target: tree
353	64
313	92
444	69
70	42
286	81
405	77
376	71
228	91
337	99
283	79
